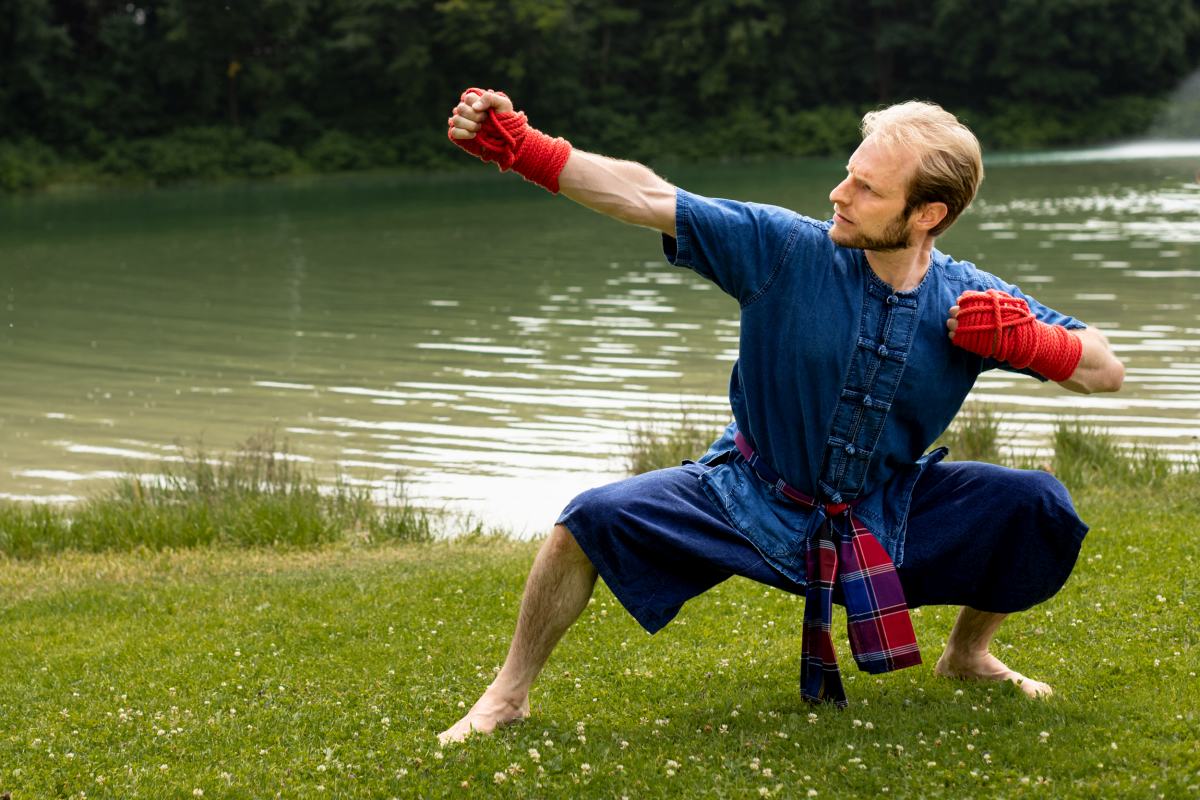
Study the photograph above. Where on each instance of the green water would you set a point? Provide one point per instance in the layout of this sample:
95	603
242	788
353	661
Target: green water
492	344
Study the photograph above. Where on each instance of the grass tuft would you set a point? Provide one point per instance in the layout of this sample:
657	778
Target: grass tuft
1085	454
652	446
974	435
258	496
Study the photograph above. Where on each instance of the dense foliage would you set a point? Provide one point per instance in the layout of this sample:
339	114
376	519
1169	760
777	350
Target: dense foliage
172	89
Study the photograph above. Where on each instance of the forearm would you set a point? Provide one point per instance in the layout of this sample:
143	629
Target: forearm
624	190
1098	369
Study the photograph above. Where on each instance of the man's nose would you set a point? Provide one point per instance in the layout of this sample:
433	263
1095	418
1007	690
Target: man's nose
839	196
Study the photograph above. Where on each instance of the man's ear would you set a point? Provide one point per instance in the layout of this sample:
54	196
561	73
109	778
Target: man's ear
930	215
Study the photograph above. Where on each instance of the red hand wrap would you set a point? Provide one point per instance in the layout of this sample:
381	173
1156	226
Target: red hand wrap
1000	326
506	139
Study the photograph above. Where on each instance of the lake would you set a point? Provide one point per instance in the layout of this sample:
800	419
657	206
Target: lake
494	346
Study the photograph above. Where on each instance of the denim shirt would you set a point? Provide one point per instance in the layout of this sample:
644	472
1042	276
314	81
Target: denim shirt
841	384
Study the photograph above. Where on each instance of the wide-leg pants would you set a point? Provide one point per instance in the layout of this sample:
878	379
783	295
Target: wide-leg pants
989	537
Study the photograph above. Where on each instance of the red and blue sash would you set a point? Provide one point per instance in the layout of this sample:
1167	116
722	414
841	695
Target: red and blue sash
849	562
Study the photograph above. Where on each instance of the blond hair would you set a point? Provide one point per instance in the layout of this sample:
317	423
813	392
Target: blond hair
950	163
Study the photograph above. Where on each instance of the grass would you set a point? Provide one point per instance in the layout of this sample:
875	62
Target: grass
328	672
259	496
974	435
654	446
325	663
1084	455
256	496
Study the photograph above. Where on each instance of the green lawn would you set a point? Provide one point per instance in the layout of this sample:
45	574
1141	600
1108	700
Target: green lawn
300	672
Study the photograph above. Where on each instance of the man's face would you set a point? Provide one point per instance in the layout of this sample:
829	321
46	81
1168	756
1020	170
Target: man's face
869	204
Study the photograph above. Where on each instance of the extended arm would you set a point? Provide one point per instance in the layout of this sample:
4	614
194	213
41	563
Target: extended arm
623	190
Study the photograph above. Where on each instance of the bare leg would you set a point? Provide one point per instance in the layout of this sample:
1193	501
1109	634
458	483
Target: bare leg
967	655
556	592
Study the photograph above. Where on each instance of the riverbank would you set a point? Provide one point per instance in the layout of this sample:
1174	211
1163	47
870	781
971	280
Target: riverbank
217	153
236	671
259	496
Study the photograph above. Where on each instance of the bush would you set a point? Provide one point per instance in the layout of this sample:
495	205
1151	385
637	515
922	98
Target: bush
1026	126
24	165
337	152
258	159
197	153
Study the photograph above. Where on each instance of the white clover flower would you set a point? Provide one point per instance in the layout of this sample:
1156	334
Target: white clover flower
499	777
534	755
585	768
197	792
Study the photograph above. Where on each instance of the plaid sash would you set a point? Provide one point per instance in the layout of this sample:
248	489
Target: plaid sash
853	564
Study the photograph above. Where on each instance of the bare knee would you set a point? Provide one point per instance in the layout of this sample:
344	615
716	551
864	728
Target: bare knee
561	543
562	550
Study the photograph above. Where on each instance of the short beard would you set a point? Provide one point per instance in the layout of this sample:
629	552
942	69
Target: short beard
896	236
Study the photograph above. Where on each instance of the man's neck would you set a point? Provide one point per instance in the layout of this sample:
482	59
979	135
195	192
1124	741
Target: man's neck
903	270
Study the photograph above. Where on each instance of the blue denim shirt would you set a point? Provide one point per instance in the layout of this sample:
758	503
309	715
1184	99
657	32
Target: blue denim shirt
841	384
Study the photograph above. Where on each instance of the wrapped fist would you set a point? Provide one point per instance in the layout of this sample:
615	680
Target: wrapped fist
486	126
994	324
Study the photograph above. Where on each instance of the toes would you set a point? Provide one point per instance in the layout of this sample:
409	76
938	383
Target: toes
458	732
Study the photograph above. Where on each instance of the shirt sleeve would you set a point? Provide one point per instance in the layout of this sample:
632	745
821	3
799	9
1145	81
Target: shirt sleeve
738	246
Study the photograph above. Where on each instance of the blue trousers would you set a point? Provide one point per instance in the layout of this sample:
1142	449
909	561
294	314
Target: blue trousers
979	535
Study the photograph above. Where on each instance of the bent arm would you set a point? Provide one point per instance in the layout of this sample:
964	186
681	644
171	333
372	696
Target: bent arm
1098	369
624	190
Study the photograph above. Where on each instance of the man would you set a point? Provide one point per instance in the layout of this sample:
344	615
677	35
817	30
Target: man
859	342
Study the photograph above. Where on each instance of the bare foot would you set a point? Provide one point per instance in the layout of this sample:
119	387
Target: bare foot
491	711
987	667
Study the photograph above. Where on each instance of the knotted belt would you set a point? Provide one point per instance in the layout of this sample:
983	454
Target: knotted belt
881	632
